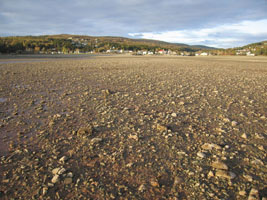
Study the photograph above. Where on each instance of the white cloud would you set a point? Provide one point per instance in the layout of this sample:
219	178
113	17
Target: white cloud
224	36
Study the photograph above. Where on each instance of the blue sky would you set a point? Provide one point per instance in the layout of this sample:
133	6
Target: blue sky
227	23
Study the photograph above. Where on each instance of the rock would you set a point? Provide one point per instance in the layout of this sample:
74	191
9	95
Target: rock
162	128
226	120
225	174
210	174
257	162
208	146
70	175
55	171
45	189
219	165
253	194
244	136
174	115
233	123
248	178
85	131
142	188
181	103
96	140
106	92
201	155
242	193
55	179
63	159
177	180
154	183
68	180
61	171
131	136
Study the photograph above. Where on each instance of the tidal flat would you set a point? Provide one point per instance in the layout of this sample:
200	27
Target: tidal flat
133	127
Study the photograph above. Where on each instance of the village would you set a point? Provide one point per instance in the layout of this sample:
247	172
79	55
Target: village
93	45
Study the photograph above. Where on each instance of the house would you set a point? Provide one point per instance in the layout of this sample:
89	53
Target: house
204	54
250	54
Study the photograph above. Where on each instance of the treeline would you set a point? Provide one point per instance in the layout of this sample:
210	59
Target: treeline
45	44
17	45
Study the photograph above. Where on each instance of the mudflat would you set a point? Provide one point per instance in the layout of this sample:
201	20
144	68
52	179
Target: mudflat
129	127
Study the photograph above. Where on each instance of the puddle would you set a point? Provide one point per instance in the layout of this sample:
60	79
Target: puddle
2	100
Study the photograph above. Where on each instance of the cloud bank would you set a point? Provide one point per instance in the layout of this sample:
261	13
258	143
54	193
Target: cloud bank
194	22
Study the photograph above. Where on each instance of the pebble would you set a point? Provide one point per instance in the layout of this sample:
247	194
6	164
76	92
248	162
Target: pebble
154	183
45	189
210	146
244	136
201	155
55	171
63	159
96	140
55	179
161	128
253	194
242	193
85	131
225	174
210	174
142	188
135	137
219	165
257	162
70	175
61	171
248	178
174	115
68	180
233	123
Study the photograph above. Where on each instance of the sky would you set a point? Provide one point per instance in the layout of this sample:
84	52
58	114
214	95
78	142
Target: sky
215	23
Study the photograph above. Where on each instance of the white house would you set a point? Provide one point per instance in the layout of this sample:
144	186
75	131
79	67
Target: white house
250	54
204	54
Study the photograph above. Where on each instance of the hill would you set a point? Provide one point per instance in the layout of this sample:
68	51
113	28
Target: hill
70	43
259	48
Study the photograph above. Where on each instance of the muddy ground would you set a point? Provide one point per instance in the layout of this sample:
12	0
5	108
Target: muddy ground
134	128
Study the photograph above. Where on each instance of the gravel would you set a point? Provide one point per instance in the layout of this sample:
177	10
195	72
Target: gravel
120	127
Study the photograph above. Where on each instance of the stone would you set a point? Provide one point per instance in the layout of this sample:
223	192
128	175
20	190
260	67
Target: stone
210	146
253	194
61	171
219	165
210	174
131	136
161	128
68	180
154	183
55	179
242	193
63	159
96	140
45	189
244	136
233	123
70	175
85	131
248	178
106	92
201	154
174	115
142	188
225	174
257	162
55	171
